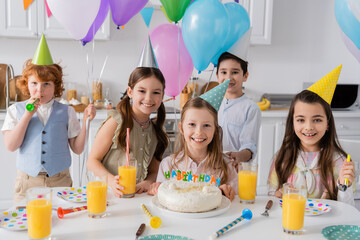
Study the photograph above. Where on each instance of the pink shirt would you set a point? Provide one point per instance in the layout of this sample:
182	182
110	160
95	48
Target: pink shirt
192	166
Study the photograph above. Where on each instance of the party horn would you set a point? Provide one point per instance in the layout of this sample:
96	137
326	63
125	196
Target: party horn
246	214
61	212
155	222
30	106
346	181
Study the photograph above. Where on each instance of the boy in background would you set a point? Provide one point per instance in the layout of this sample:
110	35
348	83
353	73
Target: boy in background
238	116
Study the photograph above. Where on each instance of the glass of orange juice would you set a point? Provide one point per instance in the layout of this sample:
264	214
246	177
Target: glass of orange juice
96	191
38	209
247	176
293	208
127	177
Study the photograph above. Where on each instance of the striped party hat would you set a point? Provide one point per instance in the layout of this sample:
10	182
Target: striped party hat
216	95
325	87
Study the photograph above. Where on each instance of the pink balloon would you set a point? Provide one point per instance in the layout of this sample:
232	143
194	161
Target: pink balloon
164	39
351	46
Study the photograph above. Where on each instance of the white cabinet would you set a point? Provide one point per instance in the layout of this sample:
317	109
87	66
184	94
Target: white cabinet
272	131
32	22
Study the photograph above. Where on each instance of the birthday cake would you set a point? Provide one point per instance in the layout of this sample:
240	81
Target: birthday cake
181	196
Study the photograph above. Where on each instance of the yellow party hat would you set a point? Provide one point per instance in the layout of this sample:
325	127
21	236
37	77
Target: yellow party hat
325	87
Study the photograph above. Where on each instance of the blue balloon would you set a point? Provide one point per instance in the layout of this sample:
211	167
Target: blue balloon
347	21
205	25
239	25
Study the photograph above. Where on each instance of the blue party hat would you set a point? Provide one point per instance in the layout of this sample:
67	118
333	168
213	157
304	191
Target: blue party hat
216	95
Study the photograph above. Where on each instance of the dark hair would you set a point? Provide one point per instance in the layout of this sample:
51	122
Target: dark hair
124	108
44	73
226	56
285	160
214	159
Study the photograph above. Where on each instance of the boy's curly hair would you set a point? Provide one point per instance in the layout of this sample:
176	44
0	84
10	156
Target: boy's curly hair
45	73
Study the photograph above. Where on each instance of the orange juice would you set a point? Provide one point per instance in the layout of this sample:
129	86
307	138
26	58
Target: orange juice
247	185
127	178
96	197
39	218
293	211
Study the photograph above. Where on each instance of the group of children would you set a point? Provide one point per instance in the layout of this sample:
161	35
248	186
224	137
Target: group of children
310	154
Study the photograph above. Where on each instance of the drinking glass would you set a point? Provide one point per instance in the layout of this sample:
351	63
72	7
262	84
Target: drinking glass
38	209
96	195
247	175
127	177
293	208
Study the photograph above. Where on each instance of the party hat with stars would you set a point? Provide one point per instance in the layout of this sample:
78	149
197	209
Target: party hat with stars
42	55
325	87
216	95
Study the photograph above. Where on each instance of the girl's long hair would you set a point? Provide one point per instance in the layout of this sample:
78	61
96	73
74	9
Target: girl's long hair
287	156
124	108
214	159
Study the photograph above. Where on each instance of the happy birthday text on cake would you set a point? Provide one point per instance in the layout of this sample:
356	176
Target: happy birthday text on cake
188	177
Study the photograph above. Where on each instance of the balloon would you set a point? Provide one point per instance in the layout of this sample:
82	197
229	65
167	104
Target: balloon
100	18
347	21
164	39
75	16
175	9
123	10
204	27
239	25
351	46
241	47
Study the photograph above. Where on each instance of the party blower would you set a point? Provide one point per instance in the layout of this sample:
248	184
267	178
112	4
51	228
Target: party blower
246	214
346	181
61	211
30	106
155	222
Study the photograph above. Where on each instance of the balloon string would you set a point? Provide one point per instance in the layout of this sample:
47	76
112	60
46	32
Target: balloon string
207	85
179	55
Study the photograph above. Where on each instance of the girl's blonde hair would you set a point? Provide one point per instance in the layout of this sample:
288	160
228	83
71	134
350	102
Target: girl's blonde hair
214	159
124	108
45	73
286	158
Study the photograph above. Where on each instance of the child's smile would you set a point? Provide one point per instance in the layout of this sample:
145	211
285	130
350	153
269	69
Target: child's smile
310	124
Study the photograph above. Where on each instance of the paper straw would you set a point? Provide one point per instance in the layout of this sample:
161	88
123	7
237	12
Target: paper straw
246	214
127	146
346	181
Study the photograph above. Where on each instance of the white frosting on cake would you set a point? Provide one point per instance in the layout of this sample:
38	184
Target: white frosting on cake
183	196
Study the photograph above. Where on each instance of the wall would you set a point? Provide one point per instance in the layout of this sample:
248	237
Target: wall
306	45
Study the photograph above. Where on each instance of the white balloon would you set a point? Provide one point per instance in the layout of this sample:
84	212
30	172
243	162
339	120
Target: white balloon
355	8
241	46
76	16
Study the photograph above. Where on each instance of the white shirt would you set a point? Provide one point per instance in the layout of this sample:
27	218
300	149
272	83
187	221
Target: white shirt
240	121
43	113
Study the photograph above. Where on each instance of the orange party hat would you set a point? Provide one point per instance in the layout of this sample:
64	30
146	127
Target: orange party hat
325	87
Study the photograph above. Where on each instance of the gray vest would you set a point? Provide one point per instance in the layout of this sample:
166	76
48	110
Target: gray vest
45	146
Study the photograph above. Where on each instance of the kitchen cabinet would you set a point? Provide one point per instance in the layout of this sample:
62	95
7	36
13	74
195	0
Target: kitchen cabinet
260	14
272	131
16	22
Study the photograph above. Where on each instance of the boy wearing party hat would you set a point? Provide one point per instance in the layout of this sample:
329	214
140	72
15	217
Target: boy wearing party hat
200	151
239	116
41	128
310	155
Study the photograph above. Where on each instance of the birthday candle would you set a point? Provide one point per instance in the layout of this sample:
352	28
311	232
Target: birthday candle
246	214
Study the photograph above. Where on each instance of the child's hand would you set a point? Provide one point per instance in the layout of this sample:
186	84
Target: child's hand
114	184
154	188
347	171
89	112
242	156
228	191
143	186
279	193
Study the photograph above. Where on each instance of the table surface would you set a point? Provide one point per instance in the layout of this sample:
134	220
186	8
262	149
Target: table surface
125	216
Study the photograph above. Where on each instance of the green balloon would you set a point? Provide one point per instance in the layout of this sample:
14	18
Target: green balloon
175	9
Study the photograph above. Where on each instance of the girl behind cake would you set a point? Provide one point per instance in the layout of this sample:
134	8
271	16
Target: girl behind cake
200	149
310	154
148	140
